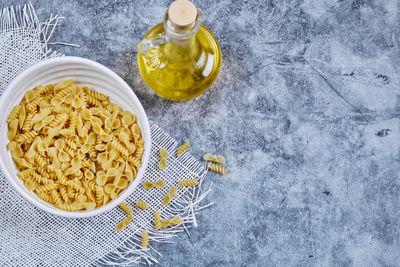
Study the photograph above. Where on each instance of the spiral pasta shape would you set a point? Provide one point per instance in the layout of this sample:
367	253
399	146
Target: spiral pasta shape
63	92
168	197
99	96
157	184
60	109
142	205
214	158
218	168
77	185
59	119
118	146
33	105
139	149
64	194
162	164
136	161
40	160
78	174
67	132
53	134
14	113
189	182
44	89
157	220
145	239
26	137
44	172
185	146
99	196
40	179
70	151
86	128
62	179
25	174
56	197
73	120
174	221
27	125
71	193
126	208
45	197
124	223
45	188
89	164
93	101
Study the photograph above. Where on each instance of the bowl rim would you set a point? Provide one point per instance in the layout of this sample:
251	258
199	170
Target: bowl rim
145	132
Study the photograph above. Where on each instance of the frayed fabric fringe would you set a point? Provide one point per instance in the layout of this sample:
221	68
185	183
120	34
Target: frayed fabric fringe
23	39
25	18
18	17
130	252
187	204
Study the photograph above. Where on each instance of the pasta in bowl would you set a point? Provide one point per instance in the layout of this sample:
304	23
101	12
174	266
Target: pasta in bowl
78	136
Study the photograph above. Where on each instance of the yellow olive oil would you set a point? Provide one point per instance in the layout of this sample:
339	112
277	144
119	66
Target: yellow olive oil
179	70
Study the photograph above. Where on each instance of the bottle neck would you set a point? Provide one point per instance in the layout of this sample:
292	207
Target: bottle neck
185	36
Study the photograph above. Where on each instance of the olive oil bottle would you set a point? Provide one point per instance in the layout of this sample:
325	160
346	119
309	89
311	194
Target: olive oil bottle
179	58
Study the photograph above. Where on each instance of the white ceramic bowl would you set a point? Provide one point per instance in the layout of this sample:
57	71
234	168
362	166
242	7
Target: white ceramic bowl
86	73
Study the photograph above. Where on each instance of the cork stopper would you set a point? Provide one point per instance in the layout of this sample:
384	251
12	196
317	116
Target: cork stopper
182	14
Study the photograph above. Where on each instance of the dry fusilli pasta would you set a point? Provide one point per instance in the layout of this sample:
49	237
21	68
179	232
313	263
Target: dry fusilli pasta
142	205
69	145
157	220
126	207
218	168
185	146
171	193
189	182
174	221
145	239
156	184
162	165
124	223
214	158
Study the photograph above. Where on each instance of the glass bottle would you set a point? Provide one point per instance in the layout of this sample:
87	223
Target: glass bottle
179	58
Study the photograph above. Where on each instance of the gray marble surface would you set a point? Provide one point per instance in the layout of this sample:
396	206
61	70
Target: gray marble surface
306	110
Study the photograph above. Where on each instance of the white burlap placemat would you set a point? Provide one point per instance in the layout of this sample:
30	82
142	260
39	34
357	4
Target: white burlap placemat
32	237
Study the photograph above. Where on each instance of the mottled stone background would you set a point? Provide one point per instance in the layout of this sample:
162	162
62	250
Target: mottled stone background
306	110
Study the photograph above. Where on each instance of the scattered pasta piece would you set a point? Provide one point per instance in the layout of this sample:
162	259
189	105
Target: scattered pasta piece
174	221
165	223
124	223
126	207
162	165
218	168
185	146
145	239
157	184
71	148
142	205
214	158
147	185
170	195
163	152
157	220
177	220
189	182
